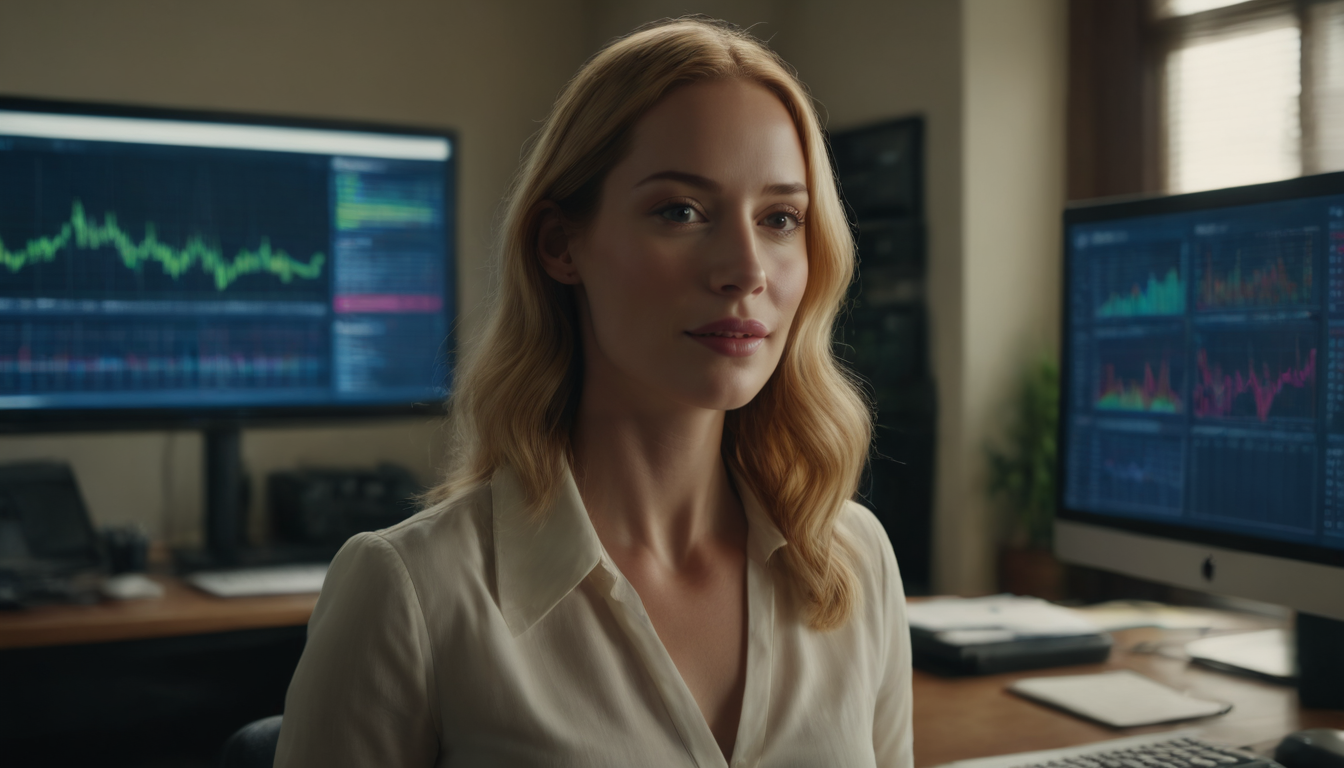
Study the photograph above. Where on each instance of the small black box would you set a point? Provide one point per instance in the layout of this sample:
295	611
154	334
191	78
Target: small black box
328	506
932	654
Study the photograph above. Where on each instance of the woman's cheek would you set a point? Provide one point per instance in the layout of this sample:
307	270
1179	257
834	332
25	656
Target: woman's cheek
790	282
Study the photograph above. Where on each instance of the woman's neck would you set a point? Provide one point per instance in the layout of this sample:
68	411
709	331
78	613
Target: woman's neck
652	475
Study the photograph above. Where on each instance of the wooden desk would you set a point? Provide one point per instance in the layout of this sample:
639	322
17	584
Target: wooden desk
183	610
954	718
961	718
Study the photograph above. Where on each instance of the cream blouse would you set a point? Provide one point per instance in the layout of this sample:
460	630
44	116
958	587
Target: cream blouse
478	635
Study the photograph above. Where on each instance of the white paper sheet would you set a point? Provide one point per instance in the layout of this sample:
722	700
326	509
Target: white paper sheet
1020	616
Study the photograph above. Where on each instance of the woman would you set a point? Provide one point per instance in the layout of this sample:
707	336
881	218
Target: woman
648	555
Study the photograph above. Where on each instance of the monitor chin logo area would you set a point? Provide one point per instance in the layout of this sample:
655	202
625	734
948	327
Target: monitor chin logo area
1207	568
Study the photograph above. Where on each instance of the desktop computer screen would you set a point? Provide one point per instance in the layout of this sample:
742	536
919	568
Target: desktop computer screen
168	267
1202	402
173	269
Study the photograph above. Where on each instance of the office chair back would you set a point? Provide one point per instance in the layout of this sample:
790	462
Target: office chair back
253	745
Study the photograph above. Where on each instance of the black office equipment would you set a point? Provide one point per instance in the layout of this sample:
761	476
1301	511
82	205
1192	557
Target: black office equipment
188	270
1312	748
48	548
939	656
884	331
326	506
127	549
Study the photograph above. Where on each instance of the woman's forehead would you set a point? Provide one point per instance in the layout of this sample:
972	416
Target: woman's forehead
728	132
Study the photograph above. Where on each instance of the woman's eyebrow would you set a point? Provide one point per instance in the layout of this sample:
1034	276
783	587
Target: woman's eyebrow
696	180
693	179
792	188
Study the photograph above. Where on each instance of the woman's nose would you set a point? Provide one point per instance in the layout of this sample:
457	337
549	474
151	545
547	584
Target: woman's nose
736	265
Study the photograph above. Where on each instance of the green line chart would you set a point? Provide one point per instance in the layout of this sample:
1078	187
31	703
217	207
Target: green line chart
85	234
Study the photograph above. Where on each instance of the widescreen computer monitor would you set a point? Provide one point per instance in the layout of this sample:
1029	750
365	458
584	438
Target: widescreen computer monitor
1202	406
165	269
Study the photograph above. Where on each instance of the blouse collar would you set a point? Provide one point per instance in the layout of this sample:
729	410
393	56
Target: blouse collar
539	559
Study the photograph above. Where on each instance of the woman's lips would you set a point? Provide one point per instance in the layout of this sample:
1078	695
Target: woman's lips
733	336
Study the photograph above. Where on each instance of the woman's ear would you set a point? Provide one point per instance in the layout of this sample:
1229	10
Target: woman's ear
553	244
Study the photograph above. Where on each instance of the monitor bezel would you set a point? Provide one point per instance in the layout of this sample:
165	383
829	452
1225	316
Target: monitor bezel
1108	209
201	417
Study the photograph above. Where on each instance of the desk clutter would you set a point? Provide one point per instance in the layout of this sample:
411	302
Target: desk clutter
1000	633
50	551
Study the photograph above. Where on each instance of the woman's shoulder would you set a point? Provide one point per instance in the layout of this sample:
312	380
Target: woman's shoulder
866	534
875	564
471	507
448	542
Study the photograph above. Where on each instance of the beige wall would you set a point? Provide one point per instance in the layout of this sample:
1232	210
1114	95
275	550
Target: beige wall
610	18
1013	195
490	70
986	74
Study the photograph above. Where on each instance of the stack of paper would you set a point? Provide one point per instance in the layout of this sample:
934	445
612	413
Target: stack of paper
1003	633
971	621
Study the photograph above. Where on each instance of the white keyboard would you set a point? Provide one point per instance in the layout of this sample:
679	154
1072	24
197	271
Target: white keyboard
270	580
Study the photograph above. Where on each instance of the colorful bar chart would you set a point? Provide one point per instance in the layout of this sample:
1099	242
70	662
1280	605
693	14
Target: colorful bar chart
1141	375
1134	281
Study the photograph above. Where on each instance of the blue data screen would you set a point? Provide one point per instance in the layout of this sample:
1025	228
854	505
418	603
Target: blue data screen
162	264
1205	355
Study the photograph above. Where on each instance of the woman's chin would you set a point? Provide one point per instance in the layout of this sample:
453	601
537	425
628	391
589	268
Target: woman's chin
725	393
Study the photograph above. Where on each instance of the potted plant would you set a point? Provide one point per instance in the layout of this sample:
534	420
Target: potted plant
1022	478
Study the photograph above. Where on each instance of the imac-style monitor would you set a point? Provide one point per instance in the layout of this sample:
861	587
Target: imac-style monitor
1203	391
166	268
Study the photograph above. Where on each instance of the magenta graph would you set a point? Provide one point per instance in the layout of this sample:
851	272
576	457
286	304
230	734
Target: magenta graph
1218	394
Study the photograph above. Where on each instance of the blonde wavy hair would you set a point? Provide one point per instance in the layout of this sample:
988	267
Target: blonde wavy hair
800	443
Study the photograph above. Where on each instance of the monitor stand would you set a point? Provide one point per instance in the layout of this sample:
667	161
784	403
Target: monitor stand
224	511
1271	654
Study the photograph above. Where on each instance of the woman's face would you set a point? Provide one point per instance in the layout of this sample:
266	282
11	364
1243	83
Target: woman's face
692	269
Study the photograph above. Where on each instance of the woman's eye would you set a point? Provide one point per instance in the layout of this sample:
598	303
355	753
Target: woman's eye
782	221
681	214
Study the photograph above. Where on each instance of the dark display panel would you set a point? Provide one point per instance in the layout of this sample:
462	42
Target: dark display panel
1205	368
259	268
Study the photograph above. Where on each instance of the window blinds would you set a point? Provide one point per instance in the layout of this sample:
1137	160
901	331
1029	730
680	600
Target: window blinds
1252	91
